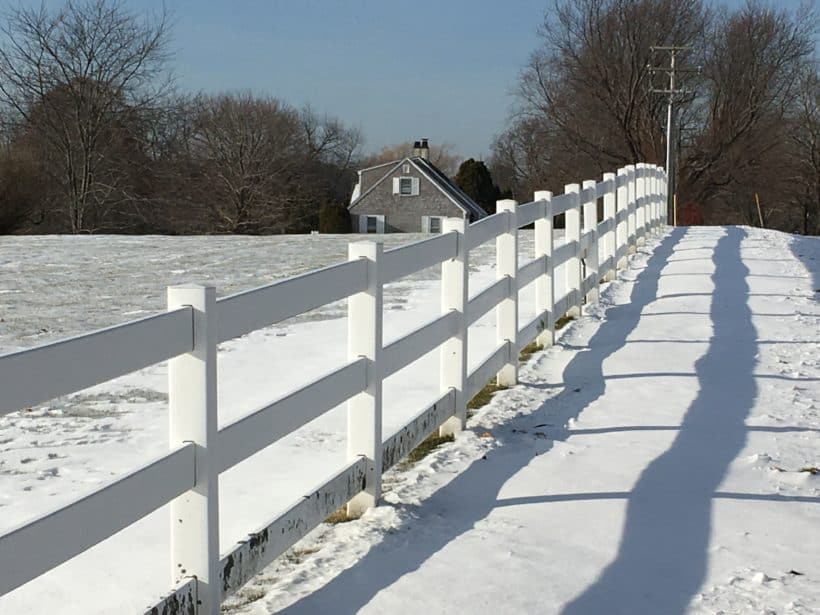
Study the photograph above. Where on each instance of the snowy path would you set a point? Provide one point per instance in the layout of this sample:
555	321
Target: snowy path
650	462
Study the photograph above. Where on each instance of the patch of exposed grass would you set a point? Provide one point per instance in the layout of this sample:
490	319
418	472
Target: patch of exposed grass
483	397
811	470
529	350
563	322
340	516
295	556
431	443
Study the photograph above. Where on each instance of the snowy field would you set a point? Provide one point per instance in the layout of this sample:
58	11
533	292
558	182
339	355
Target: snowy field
651	462
53	287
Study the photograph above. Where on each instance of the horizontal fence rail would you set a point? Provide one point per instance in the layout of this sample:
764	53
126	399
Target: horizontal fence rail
487	369
486	229
405	260
47	542
261	307
487	299
528	273
32	376
529	213
269	542
634	208
530	331
562	203
258	430
415	345
404	440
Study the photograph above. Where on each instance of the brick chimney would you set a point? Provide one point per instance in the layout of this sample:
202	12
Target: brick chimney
424	150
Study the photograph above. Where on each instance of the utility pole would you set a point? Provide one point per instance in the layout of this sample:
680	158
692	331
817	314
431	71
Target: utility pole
671	164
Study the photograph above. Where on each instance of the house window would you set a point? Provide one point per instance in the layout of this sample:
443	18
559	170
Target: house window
405	168
372	224
431	224
405	186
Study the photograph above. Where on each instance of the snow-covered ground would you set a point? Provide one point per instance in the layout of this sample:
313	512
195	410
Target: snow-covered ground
54	287
651	462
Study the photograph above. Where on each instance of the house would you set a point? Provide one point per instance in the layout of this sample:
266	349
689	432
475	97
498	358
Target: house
410	195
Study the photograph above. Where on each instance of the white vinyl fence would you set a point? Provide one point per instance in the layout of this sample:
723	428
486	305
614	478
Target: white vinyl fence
634	205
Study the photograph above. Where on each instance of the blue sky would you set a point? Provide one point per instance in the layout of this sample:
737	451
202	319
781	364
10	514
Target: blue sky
442	69
398	71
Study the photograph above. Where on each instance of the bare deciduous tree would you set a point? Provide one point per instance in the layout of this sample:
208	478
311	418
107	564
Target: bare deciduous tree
250	147
271	166
441	154
805	138
753	62
78	76
585	103
589	82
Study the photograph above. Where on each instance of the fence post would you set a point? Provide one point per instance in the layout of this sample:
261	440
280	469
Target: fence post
661	202
631	205
506	312
544	283
650	199
364	410
591	226
610	245
647	199
665	196
659	199
192	412
653	218
572	232
621	228
640	205
453	353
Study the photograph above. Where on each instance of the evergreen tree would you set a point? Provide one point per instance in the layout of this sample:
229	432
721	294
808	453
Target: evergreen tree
474	178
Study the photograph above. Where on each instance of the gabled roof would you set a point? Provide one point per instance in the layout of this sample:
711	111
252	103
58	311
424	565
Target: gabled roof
437	177
456	194
381	164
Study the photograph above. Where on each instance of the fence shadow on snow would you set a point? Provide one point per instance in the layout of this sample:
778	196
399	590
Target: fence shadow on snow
662	558
473	494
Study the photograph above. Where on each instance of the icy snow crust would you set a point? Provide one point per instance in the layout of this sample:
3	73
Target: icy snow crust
650	462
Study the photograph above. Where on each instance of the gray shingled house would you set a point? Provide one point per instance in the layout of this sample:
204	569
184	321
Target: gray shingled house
410	195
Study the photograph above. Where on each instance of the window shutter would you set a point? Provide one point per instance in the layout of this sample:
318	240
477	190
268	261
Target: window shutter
380	225
415	189
425	224
395	185
362	224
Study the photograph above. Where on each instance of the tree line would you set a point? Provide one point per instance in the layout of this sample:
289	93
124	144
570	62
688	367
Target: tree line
747	128
95	139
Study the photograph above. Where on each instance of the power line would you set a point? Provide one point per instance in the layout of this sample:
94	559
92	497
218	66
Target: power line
672	71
